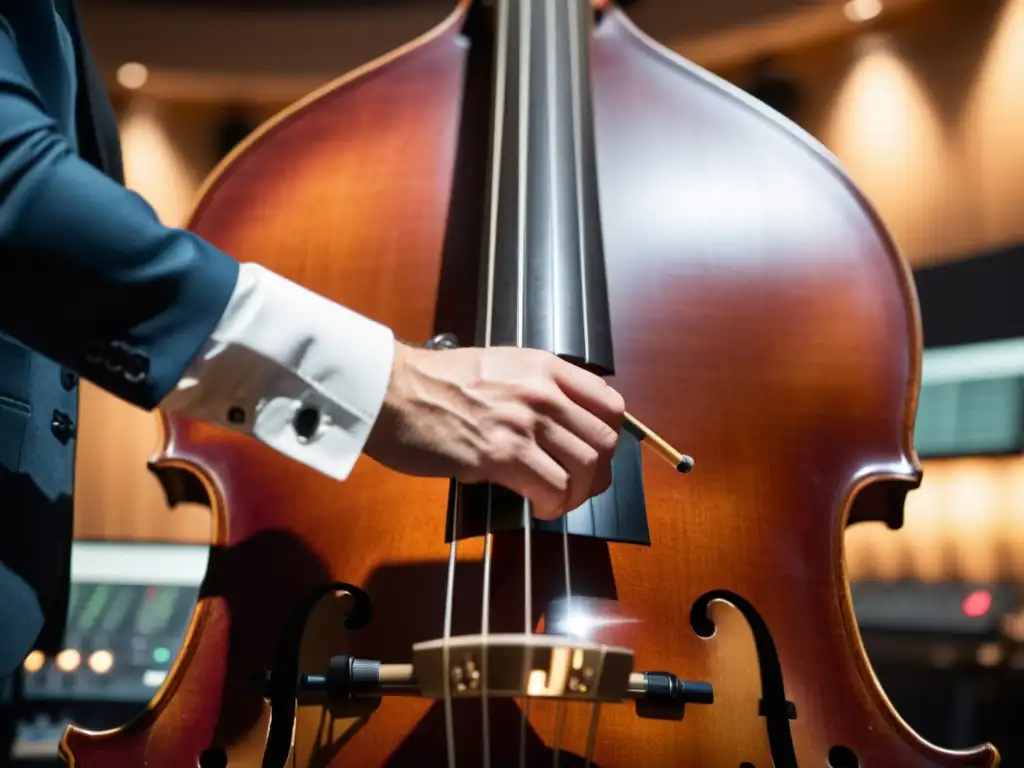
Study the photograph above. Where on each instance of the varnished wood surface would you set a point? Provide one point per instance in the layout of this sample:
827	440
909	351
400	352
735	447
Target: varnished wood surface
762	323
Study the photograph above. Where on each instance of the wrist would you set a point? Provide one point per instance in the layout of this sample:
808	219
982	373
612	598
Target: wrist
391	407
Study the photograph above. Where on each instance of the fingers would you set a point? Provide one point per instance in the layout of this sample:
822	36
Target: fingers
582	442
591	410
589	391
579	459
538	477
554	466
550	430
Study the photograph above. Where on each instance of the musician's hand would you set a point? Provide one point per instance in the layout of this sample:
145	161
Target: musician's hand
524	419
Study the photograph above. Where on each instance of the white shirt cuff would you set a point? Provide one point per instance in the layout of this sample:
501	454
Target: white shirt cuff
292	369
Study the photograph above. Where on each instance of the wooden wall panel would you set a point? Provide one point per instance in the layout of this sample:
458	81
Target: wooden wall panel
926	114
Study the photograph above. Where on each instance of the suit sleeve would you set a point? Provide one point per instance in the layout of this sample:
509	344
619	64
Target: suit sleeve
157	316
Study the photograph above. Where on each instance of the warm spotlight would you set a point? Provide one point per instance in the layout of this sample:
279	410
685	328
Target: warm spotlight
132	75
862	10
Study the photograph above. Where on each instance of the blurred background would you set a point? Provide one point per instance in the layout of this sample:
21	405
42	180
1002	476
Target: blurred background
923	103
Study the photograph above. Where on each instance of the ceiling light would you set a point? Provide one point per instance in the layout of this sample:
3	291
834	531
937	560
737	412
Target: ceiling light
132	75
859	11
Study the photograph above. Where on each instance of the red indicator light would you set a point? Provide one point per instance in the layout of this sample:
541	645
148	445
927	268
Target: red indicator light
977	603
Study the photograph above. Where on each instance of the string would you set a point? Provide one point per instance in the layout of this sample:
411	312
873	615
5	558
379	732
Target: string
552	20
485	612
560	710
592	734
499	137
449	722
526	41
574	73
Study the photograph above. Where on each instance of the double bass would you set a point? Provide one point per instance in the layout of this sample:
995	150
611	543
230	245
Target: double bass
541	173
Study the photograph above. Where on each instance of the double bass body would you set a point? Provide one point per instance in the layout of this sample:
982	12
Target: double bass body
747	303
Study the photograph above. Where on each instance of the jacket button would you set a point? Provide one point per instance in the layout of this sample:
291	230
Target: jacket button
115	358
95	351
135	368
62	427
68	379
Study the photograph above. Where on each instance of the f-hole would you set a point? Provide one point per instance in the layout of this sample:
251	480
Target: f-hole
842	757
215	757
775	708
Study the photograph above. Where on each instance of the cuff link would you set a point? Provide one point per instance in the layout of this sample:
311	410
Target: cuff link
306	423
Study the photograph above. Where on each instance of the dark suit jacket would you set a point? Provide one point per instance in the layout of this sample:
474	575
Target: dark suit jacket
91	285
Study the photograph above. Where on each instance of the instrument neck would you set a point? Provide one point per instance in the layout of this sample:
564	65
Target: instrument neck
543	284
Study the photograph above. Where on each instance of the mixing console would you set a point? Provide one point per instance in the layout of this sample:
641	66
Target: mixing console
129	609
121	641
